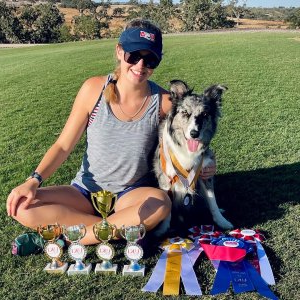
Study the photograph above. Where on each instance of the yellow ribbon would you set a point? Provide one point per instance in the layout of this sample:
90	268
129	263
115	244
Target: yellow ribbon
173	266
172	273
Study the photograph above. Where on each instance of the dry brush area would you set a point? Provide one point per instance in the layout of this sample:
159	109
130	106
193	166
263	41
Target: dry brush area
119	22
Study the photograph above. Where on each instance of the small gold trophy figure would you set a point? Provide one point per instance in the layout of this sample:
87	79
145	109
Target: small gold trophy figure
133	251
76	250
52	249
104	202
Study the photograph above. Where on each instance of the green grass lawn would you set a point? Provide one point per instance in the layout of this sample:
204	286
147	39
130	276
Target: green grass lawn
257	148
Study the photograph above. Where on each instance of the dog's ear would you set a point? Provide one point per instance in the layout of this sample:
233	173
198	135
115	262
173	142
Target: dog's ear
215	92
178	89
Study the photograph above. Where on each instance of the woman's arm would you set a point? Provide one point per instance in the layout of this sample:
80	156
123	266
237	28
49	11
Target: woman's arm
73	129
61	149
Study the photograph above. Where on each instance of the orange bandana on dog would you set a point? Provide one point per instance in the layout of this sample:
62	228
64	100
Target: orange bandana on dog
187	178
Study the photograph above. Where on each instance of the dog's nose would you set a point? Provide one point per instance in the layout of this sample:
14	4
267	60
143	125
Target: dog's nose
194	133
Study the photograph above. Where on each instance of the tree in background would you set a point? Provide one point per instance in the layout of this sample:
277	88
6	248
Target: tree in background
11	30
236	11
86	27
161	14
65	34
102	15
28	16
81	5
133	2
165	14
294	19
41	23
118	12
44	24
203	15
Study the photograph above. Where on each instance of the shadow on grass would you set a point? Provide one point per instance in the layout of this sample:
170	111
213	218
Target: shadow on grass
254	197
251	198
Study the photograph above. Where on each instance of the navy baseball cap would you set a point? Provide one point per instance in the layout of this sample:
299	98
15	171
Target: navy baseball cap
134	39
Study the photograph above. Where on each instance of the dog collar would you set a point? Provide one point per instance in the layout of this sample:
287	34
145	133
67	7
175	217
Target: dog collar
187	178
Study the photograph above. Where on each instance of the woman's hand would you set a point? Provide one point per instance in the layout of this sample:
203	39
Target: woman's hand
209	170
25	190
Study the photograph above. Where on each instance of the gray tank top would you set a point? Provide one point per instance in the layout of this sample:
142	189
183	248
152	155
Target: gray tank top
118	153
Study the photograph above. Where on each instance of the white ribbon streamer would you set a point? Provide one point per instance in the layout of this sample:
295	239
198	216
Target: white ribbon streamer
264	265
188	275
158	275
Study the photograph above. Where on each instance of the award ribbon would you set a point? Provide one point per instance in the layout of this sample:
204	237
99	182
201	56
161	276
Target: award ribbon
176	261
233	268
157	278
256	237
172	273
205	234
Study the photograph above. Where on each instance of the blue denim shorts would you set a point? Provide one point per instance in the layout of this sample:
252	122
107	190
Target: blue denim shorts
143	182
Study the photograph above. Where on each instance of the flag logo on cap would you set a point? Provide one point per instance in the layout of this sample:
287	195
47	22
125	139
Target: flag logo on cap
147	35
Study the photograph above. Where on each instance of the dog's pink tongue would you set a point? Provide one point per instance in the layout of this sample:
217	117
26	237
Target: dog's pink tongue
193	145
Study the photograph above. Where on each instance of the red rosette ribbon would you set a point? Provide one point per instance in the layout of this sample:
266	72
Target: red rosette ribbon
248	235
226	249
204	233
207	238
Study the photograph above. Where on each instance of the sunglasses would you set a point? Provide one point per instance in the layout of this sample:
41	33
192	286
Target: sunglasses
150	60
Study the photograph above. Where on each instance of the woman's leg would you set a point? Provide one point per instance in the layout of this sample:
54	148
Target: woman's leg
66	205
144	205
62	204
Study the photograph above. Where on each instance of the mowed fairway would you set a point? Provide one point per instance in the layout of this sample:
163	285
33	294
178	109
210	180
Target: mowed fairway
257	148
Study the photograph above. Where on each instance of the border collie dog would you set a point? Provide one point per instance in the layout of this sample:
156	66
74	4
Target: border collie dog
183	151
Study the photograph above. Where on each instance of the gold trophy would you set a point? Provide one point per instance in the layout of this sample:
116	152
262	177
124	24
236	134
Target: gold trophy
104	202
76	250
52	249
133	252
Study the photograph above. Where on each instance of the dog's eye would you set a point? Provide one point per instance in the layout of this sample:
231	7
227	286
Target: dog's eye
205	114
186	114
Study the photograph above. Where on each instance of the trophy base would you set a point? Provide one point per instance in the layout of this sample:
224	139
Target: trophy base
99	269
58	270
128	271
85	271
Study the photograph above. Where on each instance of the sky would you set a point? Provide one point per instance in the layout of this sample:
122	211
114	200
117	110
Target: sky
255	3
273	3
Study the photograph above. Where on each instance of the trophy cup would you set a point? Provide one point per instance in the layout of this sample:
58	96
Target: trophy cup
104	231
52	249
133	251
76	250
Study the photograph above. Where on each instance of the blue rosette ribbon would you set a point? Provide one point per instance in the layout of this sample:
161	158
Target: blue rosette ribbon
234	268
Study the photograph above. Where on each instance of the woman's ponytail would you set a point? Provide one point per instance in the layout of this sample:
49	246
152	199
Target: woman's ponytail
110	91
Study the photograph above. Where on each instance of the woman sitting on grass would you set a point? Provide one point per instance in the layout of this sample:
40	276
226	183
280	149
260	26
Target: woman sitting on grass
120	114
